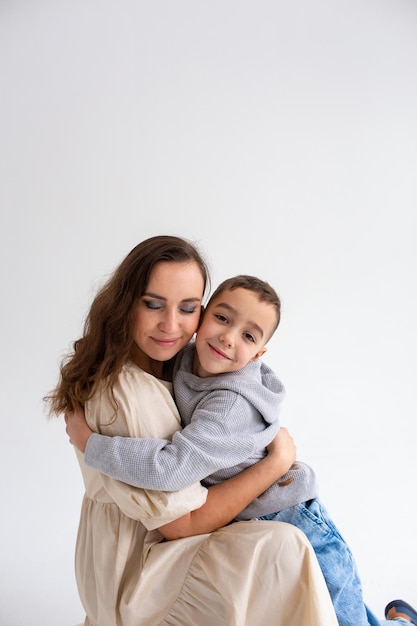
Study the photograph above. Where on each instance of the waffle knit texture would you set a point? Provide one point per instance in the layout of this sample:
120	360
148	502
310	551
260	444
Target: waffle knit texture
228	422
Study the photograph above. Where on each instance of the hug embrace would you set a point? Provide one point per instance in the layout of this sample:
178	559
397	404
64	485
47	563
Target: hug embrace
196	510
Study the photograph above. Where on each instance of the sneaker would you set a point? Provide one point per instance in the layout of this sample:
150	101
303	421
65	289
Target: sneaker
399	608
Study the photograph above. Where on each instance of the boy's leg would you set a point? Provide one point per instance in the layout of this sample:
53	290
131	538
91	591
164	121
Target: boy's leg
336	562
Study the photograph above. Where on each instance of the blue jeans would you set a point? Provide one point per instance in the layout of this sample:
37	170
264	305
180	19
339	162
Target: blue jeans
336	562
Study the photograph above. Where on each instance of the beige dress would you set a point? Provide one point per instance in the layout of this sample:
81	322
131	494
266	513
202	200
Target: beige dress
245	574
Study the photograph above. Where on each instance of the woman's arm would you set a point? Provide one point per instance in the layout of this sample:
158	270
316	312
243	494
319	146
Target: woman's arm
225	500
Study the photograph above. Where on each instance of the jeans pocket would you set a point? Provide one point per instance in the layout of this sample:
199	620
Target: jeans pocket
317	513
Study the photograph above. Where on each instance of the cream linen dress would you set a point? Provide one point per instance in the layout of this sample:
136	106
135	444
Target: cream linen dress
246	574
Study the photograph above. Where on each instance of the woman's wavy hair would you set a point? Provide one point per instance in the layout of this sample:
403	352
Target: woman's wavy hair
101	352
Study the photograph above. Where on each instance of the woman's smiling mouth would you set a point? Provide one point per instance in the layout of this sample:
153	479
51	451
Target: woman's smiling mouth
166	343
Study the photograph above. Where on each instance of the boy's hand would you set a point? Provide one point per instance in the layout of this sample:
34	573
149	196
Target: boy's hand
283	448
77	428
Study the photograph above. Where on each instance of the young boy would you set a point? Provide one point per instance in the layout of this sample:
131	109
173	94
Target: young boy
229	402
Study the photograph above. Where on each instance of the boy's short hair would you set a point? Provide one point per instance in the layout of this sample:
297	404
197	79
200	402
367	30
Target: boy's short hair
265	292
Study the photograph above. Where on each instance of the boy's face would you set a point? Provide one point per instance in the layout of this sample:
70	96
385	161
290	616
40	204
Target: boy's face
233	332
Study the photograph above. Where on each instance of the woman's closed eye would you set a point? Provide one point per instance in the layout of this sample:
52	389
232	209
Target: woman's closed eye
153	304
188	308
156	305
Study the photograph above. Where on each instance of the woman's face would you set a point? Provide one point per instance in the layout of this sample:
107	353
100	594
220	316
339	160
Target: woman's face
167	315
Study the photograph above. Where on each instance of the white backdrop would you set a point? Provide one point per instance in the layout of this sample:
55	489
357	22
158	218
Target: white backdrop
282	137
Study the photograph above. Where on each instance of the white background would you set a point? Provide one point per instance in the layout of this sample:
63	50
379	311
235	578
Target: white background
281	136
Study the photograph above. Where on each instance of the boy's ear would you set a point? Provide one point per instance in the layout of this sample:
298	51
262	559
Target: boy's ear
259	354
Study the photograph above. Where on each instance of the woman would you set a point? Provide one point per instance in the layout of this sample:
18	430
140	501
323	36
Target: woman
245	574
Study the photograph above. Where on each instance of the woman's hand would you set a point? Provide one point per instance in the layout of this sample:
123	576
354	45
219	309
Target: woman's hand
77	428
225	500
282	449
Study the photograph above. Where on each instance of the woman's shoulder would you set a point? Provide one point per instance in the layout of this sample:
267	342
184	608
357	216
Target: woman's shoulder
133	385
138	402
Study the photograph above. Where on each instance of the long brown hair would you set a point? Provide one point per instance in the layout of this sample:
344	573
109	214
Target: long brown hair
101	352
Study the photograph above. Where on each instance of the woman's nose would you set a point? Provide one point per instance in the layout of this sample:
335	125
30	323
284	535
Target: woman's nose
170	321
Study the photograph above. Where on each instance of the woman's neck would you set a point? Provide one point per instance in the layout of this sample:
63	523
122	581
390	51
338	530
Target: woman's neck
142	360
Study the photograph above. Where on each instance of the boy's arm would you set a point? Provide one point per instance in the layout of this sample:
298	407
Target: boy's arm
202	448
300	485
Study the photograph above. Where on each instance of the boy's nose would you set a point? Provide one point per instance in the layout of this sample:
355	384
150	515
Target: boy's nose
227	340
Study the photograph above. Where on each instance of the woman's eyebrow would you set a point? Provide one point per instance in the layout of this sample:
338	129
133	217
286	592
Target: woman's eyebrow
150	294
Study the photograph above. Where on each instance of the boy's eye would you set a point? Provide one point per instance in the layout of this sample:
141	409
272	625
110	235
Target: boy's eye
220	317
249	337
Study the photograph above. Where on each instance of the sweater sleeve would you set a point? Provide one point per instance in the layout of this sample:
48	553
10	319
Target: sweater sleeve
297	485
213	440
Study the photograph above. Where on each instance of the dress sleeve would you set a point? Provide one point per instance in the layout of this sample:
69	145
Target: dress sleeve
135	396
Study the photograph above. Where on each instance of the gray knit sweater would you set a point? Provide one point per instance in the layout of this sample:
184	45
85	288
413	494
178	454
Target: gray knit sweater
228	422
